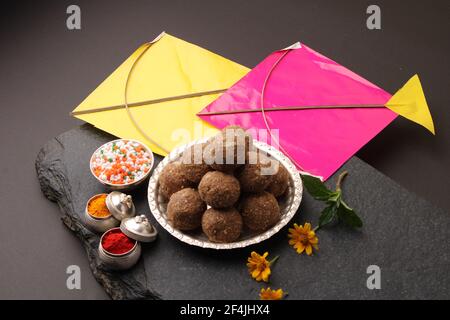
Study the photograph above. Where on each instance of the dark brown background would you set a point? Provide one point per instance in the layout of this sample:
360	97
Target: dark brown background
46	70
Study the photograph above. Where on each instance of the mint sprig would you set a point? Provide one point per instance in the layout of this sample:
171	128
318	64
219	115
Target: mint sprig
336	207
316	188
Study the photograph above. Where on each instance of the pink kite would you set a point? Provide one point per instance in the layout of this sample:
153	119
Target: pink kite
318	140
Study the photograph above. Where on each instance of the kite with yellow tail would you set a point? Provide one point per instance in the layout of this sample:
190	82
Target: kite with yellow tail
170	92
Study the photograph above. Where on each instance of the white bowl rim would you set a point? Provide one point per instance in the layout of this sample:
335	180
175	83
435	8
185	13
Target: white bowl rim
123	185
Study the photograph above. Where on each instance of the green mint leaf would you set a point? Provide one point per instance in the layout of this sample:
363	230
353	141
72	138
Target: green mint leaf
316	188
335	197
327	215
348	216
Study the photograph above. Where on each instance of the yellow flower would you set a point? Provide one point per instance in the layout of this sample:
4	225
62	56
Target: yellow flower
259	267
303	238
269	294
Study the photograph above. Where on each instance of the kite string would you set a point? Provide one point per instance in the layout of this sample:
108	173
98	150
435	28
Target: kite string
266	80
130	115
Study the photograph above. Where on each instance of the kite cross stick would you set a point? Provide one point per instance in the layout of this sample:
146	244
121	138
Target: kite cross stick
288	108
146	102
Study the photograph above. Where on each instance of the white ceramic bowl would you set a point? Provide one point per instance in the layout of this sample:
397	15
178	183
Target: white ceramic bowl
125	186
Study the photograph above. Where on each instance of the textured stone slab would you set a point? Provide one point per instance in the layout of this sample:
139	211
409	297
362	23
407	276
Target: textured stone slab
404	235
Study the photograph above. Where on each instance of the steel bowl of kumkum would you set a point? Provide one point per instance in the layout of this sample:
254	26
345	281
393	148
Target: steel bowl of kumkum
120	248
117	251
122	164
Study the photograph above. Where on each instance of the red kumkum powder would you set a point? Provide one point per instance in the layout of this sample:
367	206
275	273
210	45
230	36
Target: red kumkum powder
116	242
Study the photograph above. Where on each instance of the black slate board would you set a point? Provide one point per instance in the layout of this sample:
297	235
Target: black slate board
404	235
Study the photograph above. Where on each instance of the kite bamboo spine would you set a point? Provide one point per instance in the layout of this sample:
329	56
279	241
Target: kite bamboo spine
282	108
146	102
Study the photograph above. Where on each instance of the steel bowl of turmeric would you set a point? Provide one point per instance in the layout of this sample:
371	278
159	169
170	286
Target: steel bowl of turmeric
122	164
97	216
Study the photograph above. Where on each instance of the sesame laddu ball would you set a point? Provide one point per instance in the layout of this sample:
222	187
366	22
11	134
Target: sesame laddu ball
280	182
253	178
173	179
219	190
222	225
193	163
260	211
230	149
185	209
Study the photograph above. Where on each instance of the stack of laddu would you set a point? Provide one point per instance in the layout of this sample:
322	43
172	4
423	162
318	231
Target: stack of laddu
224	186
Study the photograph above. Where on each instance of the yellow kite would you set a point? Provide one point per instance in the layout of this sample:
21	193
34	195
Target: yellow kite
155	94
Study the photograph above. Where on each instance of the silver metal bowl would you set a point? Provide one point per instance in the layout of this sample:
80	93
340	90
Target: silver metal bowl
98	224
289	204
119	261
125	186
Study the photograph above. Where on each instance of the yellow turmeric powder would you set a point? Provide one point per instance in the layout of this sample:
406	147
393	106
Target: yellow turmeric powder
97	207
